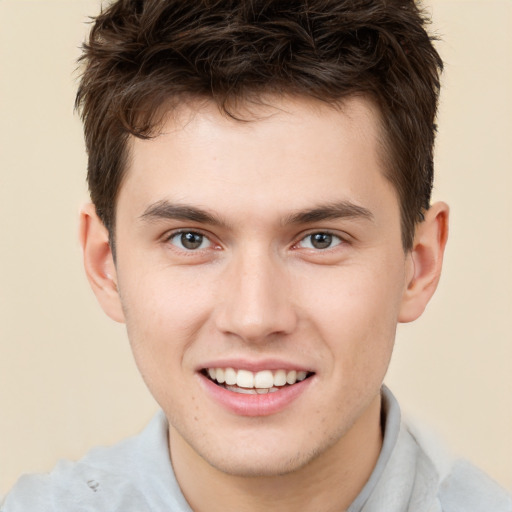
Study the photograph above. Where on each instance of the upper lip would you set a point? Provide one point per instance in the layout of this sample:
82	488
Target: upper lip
253	365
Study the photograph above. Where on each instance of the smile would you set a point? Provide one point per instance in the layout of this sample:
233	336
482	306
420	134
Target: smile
262	382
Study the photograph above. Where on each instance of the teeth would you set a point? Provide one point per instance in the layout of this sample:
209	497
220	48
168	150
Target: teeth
230	376
243	391
291	377
261	382
279	378
264	379
245	379
251	391
220	375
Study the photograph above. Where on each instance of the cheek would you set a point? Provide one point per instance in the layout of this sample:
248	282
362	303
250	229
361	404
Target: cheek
163	313
356	311
357	296
164	299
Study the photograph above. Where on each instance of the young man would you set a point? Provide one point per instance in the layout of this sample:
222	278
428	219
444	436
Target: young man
260	175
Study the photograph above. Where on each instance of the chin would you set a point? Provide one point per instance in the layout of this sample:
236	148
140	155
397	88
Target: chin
259	467
261	459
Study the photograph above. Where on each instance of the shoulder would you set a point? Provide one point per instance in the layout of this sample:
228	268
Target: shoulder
22	495
468	488
462	487
106	479
76	486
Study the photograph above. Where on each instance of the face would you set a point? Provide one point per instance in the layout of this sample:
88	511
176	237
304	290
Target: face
261	275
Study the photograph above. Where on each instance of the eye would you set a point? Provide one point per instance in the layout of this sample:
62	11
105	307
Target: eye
320	241
189	240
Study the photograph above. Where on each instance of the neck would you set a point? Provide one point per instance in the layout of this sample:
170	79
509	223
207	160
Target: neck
330	482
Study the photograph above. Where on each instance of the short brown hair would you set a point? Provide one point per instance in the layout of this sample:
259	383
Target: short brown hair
142	54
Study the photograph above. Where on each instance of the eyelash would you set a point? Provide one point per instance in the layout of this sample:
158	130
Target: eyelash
329	234
333	238
176	234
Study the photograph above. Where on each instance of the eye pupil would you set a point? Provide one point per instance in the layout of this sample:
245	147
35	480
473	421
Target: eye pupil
321	240
191	240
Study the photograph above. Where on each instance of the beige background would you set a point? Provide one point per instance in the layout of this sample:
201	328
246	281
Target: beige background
67	380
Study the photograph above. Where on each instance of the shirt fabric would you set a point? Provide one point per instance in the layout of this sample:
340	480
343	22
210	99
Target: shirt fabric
412	474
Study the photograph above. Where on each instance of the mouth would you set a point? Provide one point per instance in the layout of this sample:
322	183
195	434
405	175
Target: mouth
255	383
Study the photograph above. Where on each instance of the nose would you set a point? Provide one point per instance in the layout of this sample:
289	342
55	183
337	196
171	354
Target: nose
256	303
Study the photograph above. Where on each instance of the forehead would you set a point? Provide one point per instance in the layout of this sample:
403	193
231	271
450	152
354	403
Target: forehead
278	154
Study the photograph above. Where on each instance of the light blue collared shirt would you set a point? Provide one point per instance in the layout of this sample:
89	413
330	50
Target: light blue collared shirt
136	475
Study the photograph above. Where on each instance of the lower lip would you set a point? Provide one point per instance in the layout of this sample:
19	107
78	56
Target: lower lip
255	405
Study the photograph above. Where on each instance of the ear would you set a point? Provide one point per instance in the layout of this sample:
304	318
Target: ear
99	262
425	262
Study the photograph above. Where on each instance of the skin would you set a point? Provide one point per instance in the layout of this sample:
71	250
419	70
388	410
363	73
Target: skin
258	290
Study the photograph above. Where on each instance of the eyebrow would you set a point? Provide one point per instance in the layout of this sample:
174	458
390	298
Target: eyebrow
343	209
166	210
331	211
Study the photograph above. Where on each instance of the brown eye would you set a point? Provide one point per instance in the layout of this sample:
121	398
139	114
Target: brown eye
189	240
320	241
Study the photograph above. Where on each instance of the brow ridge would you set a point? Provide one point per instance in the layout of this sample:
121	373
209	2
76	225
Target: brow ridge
331	211
166	210
343	209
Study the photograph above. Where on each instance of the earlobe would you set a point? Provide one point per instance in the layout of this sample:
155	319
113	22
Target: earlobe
425	262
99	262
